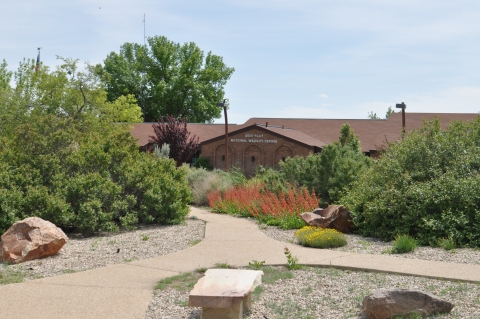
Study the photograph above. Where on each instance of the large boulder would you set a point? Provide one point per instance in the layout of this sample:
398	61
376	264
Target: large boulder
388	303
334	216
29	239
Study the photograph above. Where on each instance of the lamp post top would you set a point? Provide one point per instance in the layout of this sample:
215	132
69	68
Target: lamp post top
224	103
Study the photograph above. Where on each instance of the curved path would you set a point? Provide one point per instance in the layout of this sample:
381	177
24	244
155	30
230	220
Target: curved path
124	291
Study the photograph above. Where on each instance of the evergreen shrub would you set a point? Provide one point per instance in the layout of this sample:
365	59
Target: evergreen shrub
426	185
203	162
86	181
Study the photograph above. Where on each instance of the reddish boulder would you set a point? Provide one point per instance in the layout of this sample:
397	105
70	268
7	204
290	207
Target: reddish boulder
389	303
29	239
334	216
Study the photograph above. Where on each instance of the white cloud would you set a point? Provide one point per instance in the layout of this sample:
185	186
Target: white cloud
324	96
453	100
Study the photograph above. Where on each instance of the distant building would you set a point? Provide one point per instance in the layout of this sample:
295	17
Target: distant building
266	141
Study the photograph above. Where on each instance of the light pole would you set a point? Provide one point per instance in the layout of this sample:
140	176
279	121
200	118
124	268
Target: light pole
225	104
402	106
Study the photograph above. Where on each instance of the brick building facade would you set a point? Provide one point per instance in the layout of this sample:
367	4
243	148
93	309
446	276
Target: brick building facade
256	145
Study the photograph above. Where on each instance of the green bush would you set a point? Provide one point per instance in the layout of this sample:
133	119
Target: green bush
291	222
203	162
317	237
271	180
426	186
86	180
404	244
446	243
66	155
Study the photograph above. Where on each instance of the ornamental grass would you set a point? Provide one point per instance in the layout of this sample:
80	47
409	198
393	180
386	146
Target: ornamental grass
318	237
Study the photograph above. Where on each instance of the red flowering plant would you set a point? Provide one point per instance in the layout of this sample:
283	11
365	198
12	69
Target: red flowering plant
282	209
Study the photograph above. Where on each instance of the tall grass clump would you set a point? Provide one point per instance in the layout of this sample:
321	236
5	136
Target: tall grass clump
404	244
202	182
317	237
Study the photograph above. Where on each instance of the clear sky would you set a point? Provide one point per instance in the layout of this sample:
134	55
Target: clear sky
298	58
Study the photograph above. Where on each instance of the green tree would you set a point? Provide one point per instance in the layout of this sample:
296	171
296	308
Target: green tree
168	79
373	116
348	137
65	158
68	92
389	112
5	76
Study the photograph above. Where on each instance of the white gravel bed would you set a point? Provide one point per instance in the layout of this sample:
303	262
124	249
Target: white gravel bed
326	293
367	245
115	248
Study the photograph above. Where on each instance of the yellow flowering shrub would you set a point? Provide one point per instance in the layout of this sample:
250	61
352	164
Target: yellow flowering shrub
318	237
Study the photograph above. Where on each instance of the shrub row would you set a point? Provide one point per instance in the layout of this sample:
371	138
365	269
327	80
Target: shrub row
86	181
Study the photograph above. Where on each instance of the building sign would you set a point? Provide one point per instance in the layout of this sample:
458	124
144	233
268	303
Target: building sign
252	138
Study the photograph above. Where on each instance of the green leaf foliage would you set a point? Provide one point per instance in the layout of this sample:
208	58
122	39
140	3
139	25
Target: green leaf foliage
64	158
426	186
167	78
203	162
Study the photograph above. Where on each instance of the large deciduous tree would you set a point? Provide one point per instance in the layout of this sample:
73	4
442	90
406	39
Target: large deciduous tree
168	79
174	133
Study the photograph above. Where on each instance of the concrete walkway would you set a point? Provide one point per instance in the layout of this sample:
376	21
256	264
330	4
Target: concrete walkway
124	291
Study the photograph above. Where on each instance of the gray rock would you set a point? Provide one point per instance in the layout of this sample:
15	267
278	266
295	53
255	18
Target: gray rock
388	303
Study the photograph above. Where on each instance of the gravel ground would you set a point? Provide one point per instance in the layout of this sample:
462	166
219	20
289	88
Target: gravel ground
114	248
331	293
325	293
365	245
311	293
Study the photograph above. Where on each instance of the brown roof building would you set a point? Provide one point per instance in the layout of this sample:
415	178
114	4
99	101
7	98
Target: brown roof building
266	141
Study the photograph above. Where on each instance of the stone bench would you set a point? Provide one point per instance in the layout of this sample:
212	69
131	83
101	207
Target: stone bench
225	293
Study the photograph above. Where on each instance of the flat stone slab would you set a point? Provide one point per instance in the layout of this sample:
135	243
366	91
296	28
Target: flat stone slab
224	288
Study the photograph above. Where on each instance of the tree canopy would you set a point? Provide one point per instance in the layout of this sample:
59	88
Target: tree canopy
167	78
68	92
